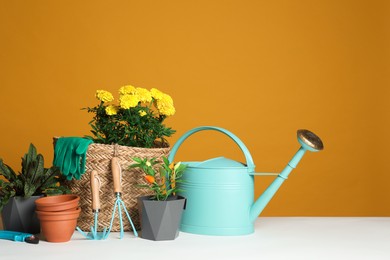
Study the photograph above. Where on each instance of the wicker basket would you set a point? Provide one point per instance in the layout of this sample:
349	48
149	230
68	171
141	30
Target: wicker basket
99	158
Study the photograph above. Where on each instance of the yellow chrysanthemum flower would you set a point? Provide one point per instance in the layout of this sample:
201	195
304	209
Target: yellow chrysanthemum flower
167	99
142	112
167	111
104	96
126	90
128	101
111	110
144	95
156	94
165	105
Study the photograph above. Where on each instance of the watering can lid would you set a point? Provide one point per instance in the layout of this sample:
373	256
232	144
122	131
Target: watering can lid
219	162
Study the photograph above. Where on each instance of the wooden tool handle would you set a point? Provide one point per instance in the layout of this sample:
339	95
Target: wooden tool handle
95	190
116	174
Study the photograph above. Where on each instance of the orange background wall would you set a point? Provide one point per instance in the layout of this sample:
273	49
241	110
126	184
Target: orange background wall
261	69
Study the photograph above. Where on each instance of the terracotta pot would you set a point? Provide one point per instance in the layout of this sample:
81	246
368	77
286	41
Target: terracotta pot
57	203
58	226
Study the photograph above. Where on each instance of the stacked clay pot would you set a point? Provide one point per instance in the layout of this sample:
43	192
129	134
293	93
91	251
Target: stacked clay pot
58	216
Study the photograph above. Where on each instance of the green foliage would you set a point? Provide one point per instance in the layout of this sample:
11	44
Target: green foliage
170	173
33	179
128	127
137	119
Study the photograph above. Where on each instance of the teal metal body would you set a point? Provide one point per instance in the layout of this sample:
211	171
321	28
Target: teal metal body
220	191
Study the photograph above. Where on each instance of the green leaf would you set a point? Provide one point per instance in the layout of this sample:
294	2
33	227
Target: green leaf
6	171
29	190
29	157
138	160
166	161
33	179
39	170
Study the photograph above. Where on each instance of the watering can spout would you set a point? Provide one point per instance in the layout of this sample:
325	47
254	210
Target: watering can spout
309	141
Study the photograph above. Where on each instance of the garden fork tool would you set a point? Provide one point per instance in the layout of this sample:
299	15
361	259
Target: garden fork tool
117	178
94	234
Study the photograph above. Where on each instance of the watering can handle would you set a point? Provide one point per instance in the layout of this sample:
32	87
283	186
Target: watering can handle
244	149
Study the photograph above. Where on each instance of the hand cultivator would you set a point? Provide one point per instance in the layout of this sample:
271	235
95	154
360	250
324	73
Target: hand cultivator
117	175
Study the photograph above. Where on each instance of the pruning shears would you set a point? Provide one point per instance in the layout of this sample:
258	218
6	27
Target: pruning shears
19	236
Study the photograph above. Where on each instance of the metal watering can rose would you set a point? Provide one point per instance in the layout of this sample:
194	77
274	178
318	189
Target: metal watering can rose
219	191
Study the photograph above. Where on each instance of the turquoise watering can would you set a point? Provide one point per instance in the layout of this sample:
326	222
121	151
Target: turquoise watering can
220	191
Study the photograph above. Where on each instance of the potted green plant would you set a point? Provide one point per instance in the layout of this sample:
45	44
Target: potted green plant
129	123
18	191
137	120
160	213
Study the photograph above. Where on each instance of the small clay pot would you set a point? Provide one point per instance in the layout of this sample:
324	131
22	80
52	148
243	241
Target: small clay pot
57	203
58	226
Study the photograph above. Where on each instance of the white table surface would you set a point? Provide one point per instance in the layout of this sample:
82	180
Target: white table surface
274	238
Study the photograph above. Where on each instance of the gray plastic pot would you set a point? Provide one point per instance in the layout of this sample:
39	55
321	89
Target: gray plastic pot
19	215
160	220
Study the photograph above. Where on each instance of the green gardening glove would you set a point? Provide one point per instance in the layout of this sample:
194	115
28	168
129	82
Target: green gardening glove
70	156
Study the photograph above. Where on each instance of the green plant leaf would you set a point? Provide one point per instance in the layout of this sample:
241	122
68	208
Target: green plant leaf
6	171
138	160
29	190
33	179
39	169
166	161
29	157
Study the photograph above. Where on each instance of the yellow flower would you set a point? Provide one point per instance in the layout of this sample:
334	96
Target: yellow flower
142	112
156	94
128	101
144	95
104	96
167	99
165	105
111	110
128	89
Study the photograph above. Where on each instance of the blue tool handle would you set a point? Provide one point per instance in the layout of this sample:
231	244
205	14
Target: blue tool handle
14	235
244	149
